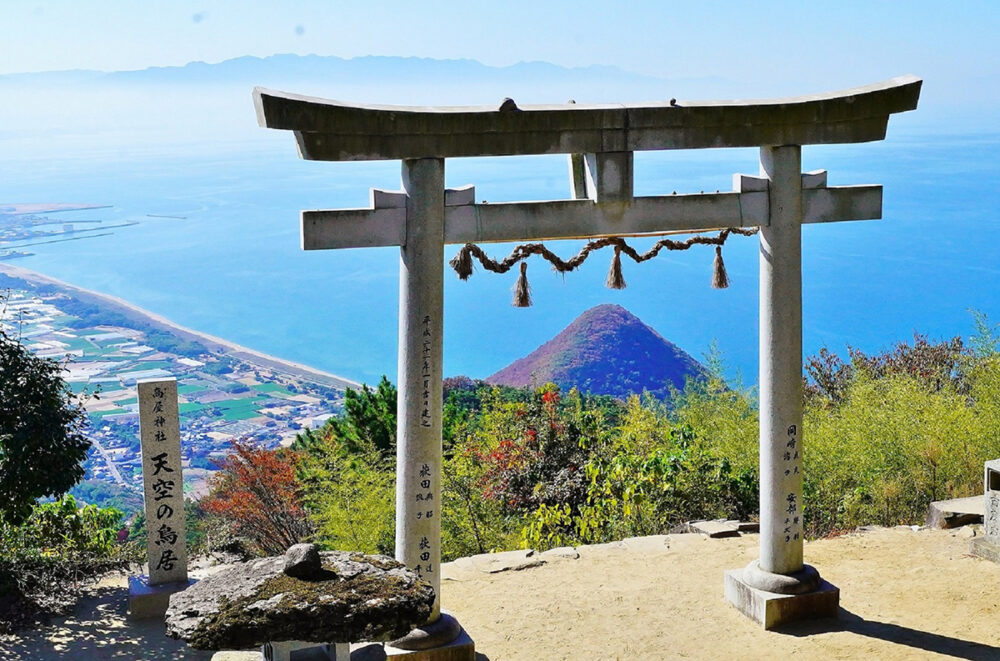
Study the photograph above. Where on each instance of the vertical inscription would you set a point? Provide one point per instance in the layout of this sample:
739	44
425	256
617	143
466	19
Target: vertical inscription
425	372
163	486
791	462
424	500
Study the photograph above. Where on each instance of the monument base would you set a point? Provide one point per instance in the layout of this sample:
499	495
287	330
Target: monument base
771	609
149	601
302	651
986	548
460	649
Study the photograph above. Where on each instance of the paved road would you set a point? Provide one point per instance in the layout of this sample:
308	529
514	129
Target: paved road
111	464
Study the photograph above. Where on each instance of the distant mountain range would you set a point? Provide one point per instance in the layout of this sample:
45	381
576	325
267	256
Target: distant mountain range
204	107
326	72
368	69
608	351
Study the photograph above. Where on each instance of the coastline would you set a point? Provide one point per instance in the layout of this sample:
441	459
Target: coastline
210	342
15	209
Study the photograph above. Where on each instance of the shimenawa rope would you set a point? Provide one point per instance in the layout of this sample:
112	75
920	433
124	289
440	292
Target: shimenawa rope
463	261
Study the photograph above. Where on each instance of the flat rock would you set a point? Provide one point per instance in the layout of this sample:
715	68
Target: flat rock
606	546
967	532
715	529
493	563
955	513
357	598
652	543
561	553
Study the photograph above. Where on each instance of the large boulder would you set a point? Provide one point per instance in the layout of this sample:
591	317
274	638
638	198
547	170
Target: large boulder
347	597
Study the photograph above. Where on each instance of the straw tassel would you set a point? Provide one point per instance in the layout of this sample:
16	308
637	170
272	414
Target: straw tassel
522	292
462	262
720	280
615	278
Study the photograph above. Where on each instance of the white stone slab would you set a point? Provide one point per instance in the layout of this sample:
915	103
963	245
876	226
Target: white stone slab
715	529
954	513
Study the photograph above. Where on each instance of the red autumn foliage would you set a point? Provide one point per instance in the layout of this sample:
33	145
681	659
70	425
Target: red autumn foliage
256	491
935	364
538	463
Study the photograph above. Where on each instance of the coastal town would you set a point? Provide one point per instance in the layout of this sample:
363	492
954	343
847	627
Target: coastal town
223	395
26	225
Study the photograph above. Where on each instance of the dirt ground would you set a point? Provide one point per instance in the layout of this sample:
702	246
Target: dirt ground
905	594
99	629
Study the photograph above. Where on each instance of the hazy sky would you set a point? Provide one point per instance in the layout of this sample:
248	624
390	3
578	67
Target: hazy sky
844	42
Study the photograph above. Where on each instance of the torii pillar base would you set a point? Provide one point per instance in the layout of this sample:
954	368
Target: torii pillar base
441	640
460	649
773	609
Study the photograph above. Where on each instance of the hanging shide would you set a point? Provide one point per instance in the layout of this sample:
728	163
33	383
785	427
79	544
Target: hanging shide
720	279
463	262
615	278
522	292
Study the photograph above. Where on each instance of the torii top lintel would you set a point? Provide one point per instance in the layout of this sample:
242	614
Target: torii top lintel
334	131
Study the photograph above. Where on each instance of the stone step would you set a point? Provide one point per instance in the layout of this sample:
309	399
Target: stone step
955	513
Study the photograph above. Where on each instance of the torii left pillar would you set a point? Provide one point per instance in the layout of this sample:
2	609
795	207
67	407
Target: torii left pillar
419	408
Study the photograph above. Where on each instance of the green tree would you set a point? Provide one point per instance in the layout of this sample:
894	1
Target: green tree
42	441
368	421
350	497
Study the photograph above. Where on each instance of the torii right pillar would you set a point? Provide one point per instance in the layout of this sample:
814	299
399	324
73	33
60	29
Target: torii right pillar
778	587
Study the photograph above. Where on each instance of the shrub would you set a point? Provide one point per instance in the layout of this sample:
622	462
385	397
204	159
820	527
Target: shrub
350	498
256	492
888	450
42	440
646	478
49	557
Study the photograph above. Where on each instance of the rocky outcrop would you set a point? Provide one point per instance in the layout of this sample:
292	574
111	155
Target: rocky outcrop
345	597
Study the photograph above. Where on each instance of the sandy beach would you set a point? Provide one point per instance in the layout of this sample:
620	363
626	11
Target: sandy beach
210	342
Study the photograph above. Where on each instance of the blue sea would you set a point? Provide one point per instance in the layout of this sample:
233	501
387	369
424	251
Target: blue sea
232	265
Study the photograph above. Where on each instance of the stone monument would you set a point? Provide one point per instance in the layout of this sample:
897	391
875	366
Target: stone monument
303	601
163	493
600	142
988	546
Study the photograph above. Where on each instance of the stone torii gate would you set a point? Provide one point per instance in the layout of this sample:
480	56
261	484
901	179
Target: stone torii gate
600	141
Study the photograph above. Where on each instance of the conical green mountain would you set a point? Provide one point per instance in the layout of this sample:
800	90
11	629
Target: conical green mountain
607	351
